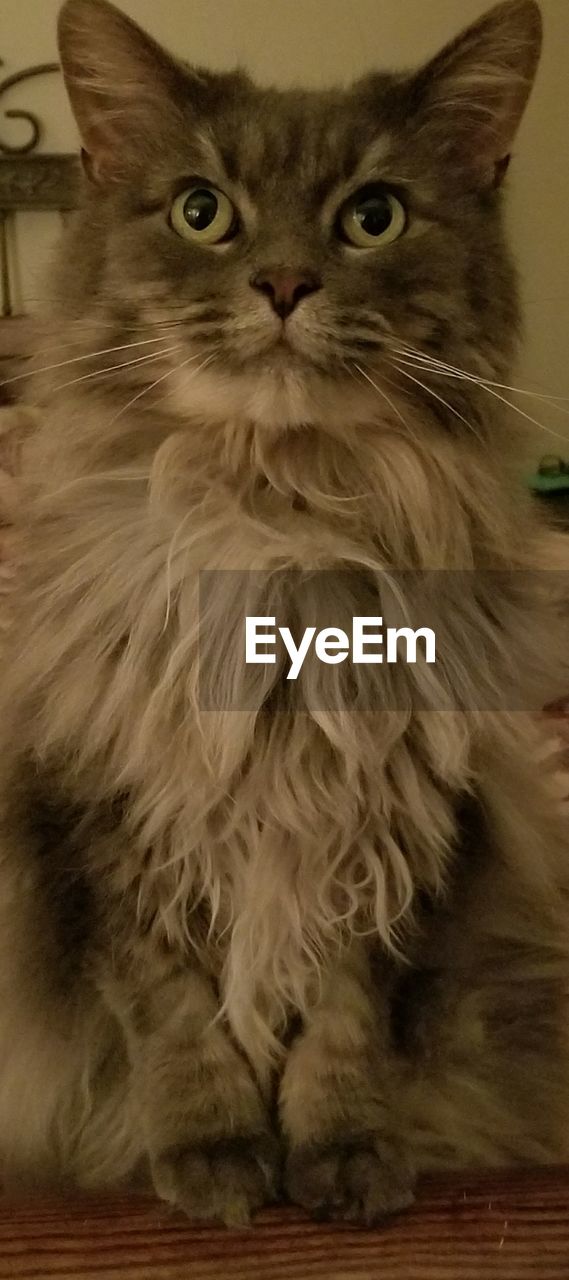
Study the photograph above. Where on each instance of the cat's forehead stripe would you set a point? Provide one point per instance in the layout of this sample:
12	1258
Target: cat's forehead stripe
204	140
317	148
222	166
375	157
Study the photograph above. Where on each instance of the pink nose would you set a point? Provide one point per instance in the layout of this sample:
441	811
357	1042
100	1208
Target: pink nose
285	289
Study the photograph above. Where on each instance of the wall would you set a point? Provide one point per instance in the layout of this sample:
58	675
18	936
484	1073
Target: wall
314	41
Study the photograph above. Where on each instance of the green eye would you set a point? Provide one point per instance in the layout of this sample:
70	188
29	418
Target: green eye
203	215
371	218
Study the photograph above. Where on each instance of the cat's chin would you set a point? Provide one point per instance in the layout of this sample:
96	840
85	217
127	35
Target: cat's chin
274	396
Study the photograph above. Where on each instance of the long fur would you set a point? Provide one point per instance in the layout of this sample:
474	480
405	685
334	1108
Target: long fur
288	810
218	816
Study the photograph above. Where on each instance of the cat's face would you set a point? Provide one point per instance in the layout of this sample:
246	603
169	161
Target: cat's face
301	243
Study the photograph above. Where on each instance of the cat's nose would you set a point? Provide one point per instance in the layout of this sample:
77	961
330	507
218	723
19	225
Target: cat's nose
285	289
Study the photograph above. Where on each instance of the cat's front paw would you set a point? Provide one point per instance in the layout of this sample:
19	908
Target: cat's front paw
359	1179
226	1180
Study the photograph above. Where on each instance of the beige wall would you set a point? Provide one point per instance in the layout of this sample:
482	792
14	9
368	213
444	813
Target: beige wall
315	41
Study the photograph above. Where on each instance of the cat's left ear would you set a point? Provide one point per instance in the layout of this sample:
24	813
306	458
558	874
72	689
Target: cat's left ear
470	99
123	87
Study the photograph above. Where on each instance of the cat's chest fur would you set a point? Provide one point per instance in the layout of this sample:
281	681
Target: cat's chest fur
289	829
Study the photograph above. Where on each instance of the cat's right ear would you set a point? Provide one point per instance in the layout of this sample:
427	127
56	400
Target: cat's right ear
469	100
122	85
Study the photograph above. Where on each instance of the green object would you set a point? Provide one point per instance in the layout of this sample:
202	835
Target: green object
548	484
552	476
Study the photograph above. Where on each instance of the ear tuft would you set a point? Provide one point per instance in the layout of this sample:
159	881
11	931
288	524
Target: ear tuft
472	96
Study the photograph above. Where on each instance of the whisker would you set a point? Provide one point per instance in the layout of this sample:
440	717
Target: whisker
169	373
113	368
402	391
548	430
101	324
487	382
397	364
91	355
485	385
383	395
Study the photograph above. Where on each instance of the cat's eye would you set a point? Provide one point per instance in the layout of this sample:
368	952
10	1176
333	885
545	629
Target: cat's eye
372	218
203	215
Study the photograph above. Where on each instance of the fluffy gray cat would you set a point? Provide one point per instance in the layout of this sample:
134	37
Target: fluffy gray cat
248	946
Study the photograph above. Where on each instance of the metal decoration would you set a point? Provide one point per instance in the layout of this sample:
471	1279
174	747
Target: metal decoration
43	68
30	182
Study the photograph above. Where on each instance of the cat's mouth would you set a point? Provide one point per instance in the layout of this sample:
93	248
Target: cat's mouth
286	352
283	362
289	353
302	350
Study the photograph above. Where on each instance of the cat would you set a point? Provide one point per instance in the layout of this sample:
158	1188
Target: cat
252	946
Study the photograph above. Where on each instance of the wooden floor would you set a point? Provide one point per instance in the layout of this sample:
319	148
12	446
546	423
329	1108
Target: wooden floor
506	1227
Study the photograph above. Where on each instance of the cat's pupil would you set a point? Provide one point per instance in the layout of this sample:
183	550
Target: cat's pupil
200	209
374	215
